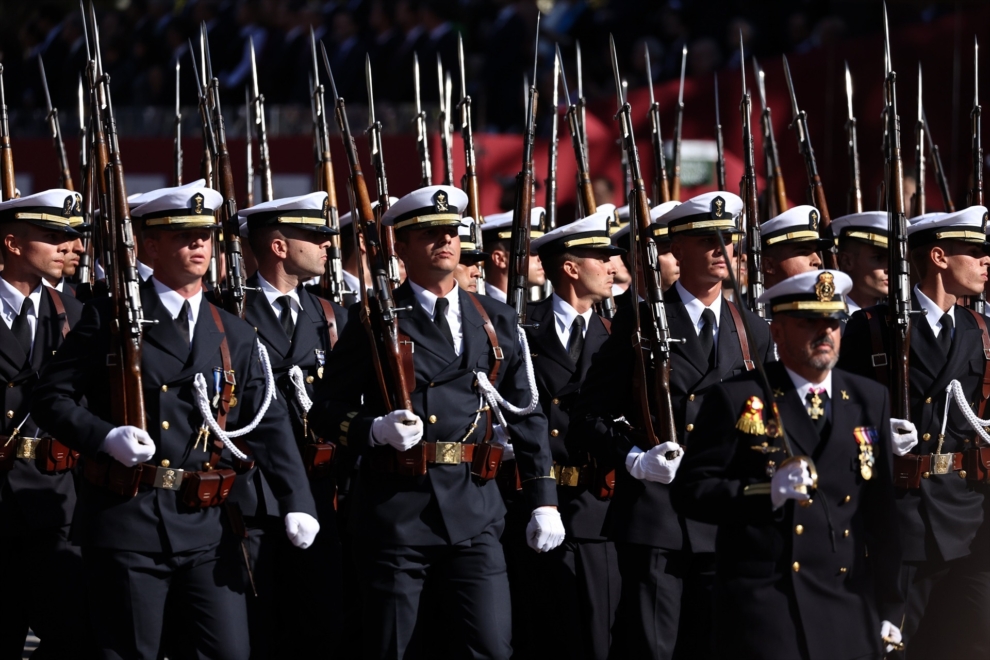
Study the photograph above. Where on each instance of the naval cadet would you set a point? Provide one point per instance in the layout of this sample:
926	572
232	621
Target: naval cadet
297	589
354	256
148	518
468	270
573	590
669	268
43	582
496	235
667	564
945	529
862	255
426	511
791	244
794	578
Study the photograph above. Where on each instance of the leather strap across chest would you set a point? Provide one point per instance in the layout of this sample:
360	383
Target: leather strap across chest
497	352
331	319
226	390
741	333
981	322
59	309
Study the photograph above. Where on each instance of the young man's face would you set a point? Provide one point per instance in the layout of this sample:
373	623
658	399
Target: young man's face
965	268
867	265
305	252
789	259
181	255
467	275
429	250
702	261
591	273
41	251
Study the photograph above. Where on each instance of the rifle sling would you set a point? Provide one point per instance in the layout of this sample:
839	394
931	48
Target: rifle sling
879	357
743	338
985	393
331	319
226	393
492	338
59	309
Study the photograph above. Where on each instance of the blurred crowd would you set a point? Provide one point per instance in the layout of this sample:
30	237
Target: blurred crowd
142	40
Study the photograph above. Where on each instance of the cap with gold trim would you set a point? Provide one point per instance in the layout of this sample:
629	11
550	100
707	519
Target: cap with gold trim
706	214
968	225
867	227
307	212
470	252
432	206
590	233
796	225
57	209
498	226
179	207
658	225
812	294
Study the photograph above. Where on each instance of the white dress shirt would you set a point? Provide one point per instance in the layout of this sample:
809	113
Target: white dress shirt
853	307
934	315
695	308
12	301
803	386
495	293
272	295
351	284
60	287
428	301
173	303
144	272
564	314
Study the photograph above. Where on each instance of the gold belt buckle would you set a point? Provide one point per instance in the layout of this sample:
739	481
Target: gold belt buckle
941	463
569	475
26	447
168	478
448	453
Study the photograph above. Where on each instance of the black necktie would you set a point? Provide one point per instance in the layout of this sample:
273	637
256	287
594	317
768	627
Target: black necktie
21	328
440	318
815	405
182	322
575	344
285	316
707	335
945	334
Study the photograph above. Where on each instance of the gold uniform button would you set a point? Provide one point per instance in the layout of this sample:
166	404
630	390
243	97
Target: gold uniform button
309	380
926	437
843	569
690	397
165	462
799	530
556	402
689	427
165	425
554	433
796	567
845	534
847	499
10	414
928	400
164	388
10	384
433	419
434	384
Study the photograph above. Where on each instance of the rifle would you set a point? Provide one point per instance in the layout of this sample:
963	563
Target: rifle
550	183
519	255
719	143
65	175
7	188
854	202
585	192
776	193
675	184
124	359
943	183
379	314
918	198
85	271
332	281
977	303
209	141
654	348
177	148
248	150
582	103
754	247
627	181
469	182
661	189
422	135
816	192
899	298
445	127
258	102
374	132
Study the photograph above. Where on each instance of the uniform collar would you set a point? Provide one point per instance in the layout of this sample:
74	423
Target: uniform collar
428	300
14	299
934	315
565	314
803	385
272	294
695	307
173	301
144	271
495	293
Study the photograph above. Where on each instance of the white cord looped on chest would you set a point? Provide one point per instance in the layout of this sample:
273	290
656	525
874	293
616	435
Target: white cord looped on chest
496	401
954	391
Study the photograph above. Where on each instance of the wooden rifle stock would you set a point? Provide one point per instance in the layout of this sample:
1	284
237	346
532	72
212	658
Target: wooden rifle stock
7	186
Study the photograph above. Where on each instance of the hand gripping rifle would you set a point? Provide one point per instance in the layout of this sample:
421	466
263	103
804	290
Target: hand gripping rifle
899	298
754	242
816	192
977	303
918	199
422	135
445	127
585	192
51	117
177	147
391	356
652	341
7	187
661	189
675	184
776	193
332	281
264	158
943	182
124	358
519	255
469	182
374	132
854	203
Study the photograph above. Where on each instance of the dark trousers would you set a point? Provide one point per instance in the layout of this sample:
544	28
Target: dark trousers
647	620
127	594
695	633
947	613
470	608
42	590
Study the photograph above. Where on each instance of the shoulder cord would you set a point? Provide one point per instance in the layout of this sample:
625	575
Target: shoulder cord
954	391
203	403
296	376
495	400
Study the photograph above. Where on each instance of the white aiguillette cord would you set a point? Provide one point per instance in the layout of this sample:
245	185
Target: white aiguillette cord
203	403
954	391
296	377
495	400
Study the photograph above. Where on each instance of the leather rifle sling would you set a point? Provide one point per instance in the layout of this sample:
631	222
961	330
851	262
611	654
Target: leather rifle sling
985	393
59	309
497	355
226	391
331	319
743	338
879	356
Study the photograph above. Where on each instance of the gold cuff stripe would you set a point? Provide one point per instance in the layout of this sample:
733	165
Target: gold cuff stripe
812	305
757	489
437	219
963	235
590	241
793	236
48	217
533	233
879	239
195	220
704	224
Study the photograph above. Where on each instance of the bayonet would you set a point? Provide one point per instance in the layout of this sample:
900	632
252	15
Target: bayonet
209	140
422	135
586	204
943	183
661	188
469	182
719	144
754	241
976	195
248	149
582	103
446	141
374	132
854	202
776	193
51	116
177	147
675	185
918	199
264	157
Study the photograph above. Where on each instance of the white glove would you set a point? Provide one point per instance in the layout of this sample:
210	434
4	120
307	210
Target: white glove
129	445
654	465
903	436
301	529
393	429
500	437
890	633
545	530
786	481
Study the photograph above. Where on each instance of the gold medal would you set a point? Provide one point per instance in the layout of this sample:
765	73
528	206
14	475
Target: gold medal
319	372
866	471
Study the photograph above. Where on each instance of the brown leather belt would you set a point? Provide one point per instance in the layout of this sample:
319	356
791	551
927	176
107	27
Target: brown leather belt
911	469
572	475
48	454
197	489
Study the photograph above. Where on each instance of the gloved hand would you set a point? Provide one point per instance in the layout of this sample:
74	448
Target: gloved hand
129	445
903	436
891	636
393	429
654	465
500	437
545	530
786	481
301	528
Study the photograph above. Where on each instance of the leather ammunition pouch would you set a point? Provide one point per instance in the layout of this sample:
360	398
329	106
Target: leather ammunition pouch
197	490
200	490
911	469
596	479
49	455
318	458
977	464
